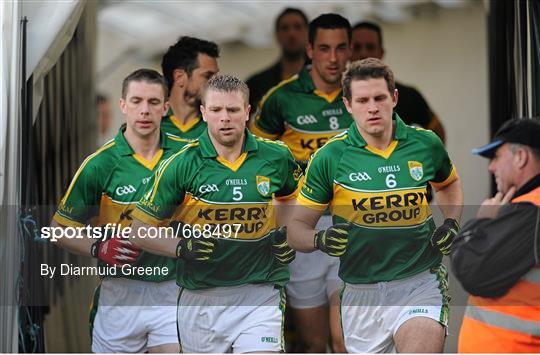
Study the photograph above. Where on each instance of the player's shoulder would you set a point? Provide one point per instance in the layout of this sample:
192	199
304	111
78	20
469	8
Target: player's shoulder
105	156
335	145
283	90
176	141
424	136
272	148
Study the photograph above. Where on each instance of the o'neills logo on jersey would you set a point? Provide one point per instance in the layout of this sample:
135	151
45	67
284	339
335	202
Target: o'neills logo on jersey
263	185
391	208
416	170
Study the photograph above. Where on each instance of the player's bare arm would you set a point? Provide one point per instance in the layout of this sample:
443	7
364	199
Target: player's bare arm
81	246
301	228
165	246
450	199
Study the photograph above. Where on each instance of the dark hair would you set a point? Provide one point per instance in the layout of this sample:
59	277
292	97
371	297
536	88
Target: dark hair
328	22
226	83
287	11
101	98
369	68
184	55
370	26
148	75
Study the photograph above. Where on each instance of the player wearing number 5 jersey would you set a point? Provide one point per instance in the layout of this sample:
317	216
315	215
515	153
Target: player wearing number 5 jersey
130	312
373	178
224	185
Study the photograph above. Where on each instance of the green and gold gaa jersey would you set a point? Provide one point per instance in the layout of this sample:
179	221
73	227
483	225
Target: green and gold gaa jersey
233	201
107	187
384	194
170	124
301	116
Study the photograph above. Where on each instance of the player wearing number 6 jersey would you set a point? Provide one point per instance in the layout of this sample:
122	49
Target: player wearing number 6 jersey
130	312
224	185
374	177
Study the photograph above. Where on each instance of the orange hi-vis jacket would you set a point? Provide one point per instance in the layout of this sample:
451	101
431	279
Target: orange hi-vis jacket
510	323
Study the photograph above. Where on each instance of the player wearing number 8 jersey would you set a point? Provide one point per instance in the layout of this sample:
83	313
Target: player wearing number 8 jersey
373	178
304	112
225	185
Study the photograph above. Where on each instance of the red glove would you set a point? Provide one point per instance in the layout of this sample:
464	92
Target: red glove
115	251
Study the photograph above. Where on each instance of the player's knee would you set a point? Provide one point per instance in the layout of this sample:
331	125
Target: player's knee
338	346
315	345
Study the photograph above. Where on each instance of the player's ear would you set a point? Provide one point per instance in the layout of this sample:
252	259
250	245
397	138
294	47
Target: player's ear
347	105
309	50
165	108
122	104
248	109
179	77
203	112
395	97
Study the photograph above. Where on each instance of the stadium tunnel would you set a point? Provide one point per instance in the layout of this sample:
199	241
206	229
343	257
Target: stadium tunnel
477	62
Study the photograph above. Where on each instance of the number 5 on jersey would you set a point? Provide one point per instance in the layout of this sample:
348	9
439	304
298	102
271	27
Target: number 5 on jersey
237	193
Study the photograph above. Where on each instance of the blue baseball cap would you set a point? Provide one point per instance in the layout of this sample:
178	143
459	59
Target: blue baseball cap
524	131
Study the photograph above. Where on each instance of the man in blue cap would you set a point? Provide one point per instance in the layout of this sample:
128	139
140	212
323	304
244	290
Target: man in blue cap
496	256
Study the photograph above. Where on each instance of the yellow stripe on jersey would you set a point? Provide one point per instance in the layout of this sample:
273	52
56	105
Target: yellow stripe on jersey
383	153
234	166
450	179
64	221
306	202
252	221
328	97
399	208
259	132
149	164
111	211
339	137
292	195
192	121
176	138
86	161
271	91
304	143
144	217
163	166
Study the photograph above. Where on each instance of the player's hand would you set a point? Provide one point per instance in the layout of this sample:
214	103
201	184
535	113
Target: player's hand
333	241
283	253
115	251
191	248
443	237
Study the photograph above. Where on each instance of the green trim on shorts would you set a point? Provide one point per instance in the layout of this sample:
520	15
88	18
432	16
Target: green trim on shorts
282	306
442	277
181	289
94	310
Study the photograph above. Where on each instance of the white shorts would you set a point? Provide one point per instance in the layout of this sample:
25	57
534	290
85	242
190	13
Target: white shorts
129	316
314	276
371	314
235	319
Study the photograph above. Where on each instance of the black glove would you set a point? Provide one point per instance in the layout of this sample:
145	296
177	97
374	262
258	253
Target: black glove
191	248
333	241
443	237
283	253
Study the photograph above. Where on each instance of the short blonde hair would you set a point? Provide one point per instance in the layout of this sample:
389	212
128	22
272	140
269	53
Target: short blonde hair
226	83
